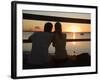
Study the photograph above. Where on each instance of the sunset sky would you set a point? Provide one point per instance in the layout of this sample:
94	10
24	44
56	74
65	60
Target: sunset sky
37	25
33	25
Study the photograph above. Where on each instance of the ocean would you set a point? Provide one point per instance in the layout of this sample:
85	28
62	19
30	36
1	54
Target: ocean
72	47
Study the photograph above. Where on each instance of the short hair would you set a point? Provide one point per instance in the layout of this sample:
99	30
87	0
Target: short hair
48	27
58	27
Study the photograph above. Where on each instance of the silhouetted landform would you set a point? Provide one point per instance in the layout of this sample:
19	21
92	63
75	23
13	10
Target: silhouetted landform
83	59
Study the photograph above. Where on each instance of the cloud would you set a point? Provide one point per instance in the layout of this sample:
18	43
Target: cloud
37	27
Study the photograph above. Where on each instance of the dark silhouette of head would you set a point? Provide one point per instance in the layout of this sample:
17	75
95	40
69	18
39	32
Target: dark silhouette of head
48	27
58	28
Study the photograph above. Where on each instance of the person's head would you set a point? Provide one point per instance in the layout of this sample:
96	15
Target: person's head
58	28
48	27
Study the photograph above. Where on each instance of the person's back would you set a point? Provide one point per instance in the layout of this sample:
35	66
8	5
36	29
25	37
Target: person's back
59	42
40	43
60	46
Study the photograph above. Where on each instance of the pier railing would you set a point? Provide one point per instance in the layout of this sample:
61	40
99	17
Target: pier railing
67	40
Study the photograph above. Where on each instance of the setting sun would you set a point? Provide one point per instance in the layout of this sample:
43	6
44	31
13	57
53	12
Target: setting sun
31	25
74	28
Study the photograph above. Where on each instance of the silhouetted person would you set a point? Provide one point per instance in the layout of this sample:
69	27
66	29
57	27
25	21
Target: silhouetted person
40	44
59	42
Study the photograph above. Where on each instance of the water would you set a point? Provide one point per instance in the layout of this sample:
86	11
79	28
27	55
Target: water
69	35
72	48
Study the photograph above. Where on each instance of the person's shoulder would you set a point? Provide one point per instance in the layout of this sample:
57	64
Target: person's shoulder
37	33
64	34
52	33
43	33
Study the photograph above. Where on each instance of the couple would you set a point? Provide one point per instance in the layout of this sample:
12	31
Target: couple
42	41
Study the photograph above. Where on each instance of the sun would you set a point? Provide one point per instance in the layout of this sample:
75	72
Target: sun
75	28
70	28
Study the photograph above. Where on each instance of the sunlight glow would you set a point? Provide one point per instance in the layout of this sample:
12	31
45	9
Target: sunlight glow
74	38
73	35
75	28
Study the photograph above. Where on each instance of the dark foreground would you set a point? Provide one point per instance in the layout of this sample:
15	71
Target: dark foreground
72	61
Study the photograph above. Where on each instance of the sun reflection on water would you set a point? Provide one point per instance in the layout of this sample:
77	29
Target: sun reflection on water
74	38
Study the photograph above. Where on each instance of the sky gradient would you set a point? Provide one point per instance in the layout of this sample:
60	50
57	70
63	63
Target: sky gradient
37	25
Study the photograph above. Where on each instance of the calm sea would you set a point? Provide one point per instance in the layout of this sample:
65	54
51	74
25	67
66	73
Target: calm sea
72	48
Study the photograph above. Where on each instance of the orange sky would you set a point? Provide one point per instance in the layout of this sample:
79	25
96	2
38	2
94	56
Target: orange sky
36	25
